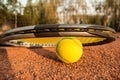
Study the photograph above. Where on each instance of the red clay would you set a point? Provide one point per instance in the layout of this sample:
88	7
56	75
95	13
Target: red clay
101	62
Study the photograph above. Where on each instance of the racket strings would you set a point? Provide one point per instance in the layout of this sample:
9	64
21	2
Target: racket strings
51	42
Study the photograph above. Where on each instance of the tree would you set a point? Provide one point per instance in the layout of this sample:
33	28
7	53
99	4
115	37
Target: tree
47	14
3	13
111	9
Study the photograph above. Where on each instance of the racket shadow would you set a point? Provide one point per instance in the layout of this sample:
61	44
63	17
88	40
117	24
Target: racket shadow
6	71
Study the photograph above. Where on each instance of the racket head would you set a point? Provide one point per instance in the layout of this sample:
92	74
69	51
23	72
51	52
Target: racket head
48	35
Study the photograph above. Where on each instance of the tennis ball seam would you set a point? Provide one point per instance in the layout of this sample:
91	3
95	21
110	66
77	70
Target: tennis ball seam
77	43
62	58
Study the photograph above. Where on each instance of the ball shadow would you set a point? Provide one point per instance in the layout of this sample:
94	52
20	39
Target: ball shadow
45	53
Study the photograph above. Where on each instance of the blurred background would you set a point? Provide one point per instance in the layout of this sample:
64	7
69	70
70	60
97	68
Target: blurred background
19	13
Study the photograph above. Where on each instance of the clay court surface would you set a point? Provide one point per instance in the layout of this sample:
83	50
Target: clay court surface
101	62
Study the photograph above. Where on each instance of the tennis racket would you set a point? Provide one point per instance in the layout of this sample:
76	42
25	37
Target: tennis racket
47	35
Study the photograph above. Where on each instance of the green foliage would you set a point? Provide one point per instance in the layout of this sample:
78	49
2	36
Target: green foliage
114	5
3	13
45	12
41	13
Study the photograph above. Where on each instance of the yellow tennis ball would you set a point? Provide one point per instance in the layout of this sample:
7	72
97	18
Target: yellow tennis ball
69	50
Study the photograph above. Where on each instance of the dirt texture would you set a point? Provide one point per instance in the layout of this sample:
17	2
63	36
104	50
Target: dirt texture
100	62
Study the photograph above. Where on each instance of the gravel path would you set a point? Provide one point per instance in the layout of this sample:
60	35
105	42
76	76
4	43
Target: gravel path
101	62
